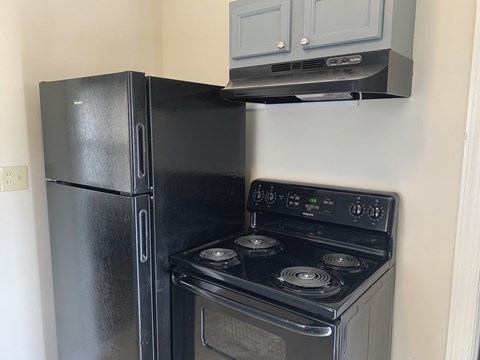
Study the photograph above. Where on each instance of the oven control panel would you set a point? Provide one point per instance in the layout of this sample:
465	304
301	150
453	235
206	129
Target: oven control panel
353	207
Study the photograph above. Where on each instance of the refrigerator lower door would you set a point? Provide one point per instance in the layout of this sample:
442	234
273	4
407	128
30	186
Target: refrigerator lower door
100	246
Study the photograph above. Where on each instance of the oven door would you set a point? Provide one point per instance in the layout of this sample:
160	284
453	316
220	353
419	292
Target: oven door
211	322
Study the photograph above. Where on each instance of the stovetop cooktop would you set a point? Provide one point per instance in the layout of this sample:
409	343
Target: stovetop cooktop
300	272
316	249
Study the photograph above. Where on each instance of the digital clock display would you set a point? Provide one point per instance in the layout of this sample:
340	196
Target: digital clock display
312	203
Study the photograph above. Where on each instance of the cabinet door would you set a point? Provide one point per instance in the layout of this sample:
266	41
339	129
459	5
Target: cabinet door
331	22
260	28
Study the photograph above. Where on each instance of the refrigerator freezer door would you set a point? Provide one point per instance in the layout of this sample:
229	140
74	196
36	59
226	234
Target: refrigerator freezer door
100	248
95	131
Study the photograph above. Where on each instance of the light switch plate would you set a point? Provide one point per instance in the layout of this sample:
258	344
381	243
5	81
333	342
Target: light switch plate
13	178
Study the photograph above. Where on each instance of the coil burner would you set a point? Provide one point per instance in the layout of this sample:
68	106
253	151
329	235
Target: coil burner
257	245
308	281
342	262
219	257
255	242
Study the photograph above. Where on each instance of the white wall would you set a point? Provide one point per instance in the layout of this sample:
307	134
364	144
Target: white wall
21	332
411	146
48	40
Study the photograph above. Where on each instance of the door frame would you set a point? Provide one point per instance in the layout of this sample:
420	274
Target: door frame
463	330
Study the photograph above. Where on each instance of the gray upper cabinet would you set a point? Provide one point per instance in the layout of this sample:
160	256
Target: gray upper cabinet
331	22
260	28
273	31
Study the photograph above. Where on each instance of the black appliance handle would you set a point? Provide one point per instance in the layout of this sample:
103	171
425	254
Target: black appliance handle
141	150
308	330
143	274
143	235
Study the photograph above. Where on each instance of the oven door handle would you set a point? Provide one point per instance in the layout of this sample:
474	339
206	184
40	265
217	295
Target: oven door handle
309	330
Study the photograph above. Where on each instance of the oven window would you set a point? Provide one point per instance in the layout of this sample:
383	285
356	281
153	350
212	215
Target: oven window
236	339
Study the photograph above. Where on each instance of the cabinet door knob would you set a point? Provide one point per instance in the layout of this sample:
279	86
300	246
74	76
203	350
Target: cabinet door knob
304	41
281	45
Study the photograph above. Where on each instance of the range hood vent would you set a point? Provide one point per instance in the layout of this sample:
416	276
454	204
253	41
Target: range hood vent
281	67
299	65
313	64
370	75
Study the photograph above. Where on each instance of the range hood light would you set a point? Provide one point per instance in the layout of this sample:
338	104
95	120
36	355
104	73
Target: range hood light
326	96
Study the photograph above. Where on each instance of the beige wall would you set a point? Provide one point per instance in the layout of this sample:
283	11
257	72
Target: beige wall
47	40
411	146
195	40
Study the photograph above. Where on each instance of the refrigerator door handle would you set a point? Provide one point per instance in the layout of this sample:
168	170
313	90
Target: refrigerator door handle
143	274
141	150
143	232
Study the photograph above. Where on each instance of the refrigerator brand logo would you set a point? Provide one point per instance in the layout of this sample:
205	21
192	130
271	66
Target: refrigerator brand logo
77	102
308	214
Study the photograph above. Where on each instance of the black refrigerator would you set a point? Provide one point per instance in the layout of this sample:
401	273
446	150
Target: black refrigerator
137	168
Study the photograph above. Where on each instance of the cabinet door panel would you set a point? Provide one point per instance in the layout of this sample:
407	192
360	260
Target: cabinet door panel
260	28
331	22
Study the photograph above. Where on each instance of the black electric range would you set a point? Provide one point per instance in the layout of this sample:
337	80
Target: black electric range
326	254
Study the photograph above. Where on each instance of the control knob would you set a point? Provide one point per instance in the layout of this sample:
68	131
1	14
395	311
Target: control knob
270	197
257	195
375	212
356	209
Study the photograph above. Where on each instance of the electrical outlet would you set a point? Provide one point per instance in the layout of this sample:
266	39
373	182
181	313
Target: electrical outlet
13	178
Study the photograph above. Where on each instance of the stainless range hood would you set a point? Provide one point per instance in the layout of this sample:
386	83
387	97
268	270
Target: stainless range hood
369	75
